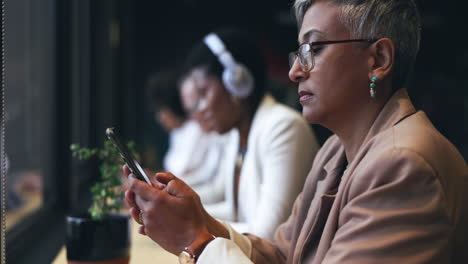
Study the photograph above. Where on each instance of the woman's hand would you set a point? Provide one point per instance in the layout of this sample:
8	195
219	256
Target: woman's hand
170	211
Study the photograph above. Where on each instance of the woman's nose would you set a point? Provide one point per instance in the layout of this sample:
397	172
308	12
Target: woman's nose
296	74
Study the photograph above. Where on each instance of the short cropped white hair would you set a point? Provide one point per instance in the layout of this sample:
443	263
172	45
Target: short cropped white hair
398	20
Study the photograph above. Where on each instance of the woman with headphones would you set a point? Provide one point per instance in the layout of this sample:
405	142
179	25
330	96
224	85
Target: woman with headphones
386	188
271	147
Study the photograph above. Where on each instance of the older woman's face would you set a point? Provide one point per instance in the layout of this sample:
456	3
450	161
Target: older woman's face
216	109
338	84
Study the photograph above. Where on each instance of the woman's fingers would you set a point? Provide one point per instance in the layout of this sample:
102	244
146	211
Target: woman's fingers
156	183
126	170
135	213
141	189
176	187
130	199
153	180
165	177
162	208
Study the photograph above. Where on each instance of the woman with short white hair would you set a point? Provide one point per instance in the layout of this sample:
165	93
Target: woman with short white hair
386	188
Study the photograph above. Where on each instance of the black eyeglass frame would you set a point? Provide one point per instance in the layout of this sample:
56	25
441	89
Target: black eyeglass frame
319	43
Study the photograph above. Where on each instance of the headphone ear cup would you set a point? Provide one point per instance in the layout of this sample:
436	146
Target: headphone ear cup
238	80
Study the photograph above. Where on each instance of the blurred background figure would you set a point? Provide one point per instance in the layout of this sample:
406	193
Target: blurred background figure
192	153
13	199
22	185
270	147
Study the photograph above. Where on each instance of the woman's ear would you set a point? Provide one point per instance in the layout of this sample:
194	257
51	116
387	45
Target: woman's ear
382	58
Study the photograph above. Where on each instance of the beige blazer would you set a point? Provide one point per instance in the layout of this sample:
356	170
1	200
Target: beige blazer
401	200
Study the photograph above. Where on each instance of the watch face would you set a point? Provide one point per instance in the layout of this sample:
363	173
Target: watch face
185	258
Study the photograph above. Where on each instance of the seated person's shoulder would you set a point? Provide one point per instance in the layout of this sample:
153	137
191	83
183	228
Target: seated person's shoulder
412	148
279	113
416	134
274	119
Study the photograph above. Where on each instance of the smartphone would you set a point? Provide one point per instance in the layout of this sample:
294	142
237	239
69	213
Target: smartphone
127	156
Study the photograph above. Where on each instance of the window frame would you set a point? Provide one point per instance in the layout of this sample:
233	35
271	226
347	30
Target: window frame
89	97
45	220
94	77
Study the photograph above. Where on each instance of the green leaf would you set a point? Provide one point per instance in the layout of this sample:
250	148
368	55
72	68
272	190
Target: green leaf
74	147
107	193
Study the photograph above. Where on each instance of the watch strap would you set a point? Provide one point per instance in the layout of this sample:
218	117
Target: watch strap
196	247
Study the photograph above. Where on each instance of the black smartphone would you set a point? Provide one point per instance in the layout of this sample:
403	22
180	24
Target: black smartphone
127	156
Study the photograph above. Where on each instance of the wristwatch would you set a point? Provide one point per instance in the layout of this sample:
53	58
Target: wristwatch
191	253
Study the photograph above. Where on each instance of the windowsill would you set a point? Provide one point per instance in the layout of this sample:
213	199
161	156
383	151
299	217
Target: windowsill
143	250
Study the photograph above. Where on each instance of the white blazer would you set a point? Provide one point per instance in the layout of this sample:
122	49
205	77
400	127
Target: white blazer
280	151
193	155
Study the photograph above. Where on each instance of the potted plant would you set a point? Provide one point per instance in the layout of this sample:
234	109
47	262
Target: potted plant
103	234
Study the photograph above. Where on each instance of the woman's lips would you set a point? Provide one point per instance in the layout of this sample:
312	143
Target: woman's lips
305	96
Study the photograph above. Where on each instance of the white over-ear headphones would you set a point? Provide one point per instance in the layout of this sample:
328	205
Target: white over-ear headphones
236	77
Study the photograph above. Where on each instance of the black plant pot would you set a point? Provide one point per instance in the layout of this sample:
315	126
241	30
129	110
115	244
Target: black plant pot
98	241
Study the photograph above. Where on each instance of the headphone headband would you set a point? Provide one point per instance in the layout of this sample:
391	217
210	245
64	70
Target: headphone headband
236	77
216	45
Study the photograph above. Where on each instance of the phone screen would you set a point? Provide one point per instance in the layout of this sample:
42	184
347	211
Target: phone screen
127	156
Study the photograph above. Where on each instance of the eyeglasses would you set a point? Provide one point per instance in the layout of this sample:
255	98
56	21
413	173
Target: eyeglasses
306	52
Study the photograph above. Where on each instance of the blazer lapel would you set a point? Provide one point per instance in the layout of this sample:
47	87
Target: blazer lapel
396	109
319	201
318	204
